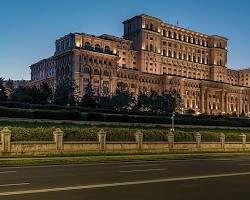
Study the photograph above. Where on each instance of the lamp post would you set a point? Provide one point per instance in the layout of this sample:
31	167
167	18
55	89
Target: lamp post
172	118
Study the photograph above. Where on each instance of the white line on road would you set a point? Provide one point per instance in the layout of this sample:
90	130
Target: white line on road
6	172
81	187
14	184
143	170
145	165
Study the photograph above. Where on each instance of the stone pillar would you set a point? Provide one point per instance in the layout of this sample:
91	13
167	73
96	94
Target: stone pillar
202	100
222	140
6	139
171	141
223	102
58	138
198	140
102	140
139	140
244	140
226	107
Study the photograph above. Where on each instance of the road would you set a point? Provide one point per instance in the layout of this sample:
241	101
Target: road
204	179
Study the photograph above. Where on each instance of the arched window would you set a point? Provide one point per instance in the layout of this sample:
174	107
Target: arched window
96	72
174	54
86	70
180	56
105	73
169	34
164	52
107	49
164	33
151	48
151	27
174	35
87	46
97	47
184	56
169	53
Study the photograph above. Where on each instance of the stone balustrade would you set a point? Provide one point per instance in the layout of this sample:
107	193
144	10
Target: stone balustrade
102	145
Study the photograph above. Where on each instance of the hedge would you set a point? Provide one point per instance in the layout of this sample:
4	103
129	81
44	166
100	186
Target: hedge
115	134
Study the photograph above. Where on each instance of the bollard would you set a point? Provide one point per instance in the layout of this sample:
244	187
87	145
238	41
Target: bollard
171	141
222	140
102	139
139	140
198	140
243	139
58	138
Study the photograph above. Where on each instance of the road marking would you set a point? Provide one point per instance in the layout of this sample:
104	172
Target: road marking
6	172
145	165
81	187
143	170
14	184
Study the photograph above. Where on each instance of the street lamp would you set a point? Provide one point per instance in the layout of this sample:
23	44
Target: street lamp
172	118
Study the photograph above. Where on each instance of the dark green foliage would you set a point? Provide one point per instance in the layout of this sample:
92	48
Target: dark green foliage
66	93
88	99
3	94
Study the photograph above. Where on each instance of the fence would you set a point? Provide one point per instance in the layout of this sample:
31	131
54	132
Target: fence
102	145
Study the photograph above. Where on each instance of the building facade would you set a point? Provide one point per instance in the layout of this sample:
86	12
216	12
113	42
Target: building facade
153	55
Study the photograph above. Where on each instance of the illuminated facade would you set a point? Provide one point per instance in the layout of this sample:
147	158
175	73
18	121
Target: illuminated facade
154	55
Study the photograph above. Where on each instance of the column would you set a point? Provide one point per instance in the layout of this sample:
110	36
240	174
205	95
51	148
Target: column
58	138
198	140
6	139
202	100
222	101
139	140
222	140
102	140
171	141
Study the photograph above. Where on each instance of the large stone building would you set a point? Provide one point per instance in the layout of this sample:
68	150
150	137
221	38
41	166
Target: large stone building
152	55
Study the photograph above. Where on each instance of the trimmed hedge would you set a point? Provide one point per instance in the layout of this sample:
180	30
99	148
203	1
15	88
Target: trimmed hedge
116	134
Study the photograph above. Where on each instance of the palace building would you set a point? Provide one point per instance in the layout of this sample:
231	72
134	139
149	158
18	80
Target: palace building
152	55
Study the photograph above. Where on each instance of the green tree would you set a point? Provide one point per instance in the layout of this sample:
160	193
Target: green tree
46	93
3	95
170	101
88	99
122	99
22	94
9	86
66	92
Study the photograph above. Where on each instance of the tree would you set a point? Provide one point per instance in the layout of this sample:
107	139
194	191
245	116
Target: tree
66	92
171	101
9	86
122	98
46	93
22	94
88	99
3	95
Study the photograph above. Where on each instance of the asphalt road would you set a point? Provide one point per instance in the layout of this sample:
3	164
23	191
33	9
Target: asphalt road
165	179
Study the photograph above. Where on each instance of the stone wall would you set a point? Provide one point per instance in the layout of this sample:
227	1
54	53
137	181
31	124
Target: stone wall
8	147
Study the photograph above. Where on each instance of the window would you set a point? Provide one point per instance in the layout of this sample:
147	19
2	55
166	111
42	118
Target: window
86	70
96	72
87	46
107	49
105	73
151	27
180	56
151	47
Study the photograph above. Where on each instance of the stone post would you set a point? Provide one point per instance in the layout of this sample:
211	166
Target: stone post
5	138
58	138
139	140
102	140
171	141
244	140
198	140
222	140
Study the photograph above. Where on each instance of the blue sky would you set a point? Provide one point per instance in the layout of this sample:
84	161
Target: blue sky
29	28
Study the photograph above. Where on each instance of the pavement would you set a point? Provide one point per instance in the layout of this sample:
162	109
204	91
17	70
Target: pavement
220	178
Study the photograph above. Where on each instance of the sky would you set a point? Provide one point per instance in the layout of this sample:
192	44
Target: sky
29	28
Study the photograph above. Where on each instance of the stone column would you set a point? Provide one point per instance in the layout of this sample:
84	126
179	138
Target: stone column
244	140
58	138
139	140
222	140
226	107
102	140
202	100
6	139
198	140
223	102
171	141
